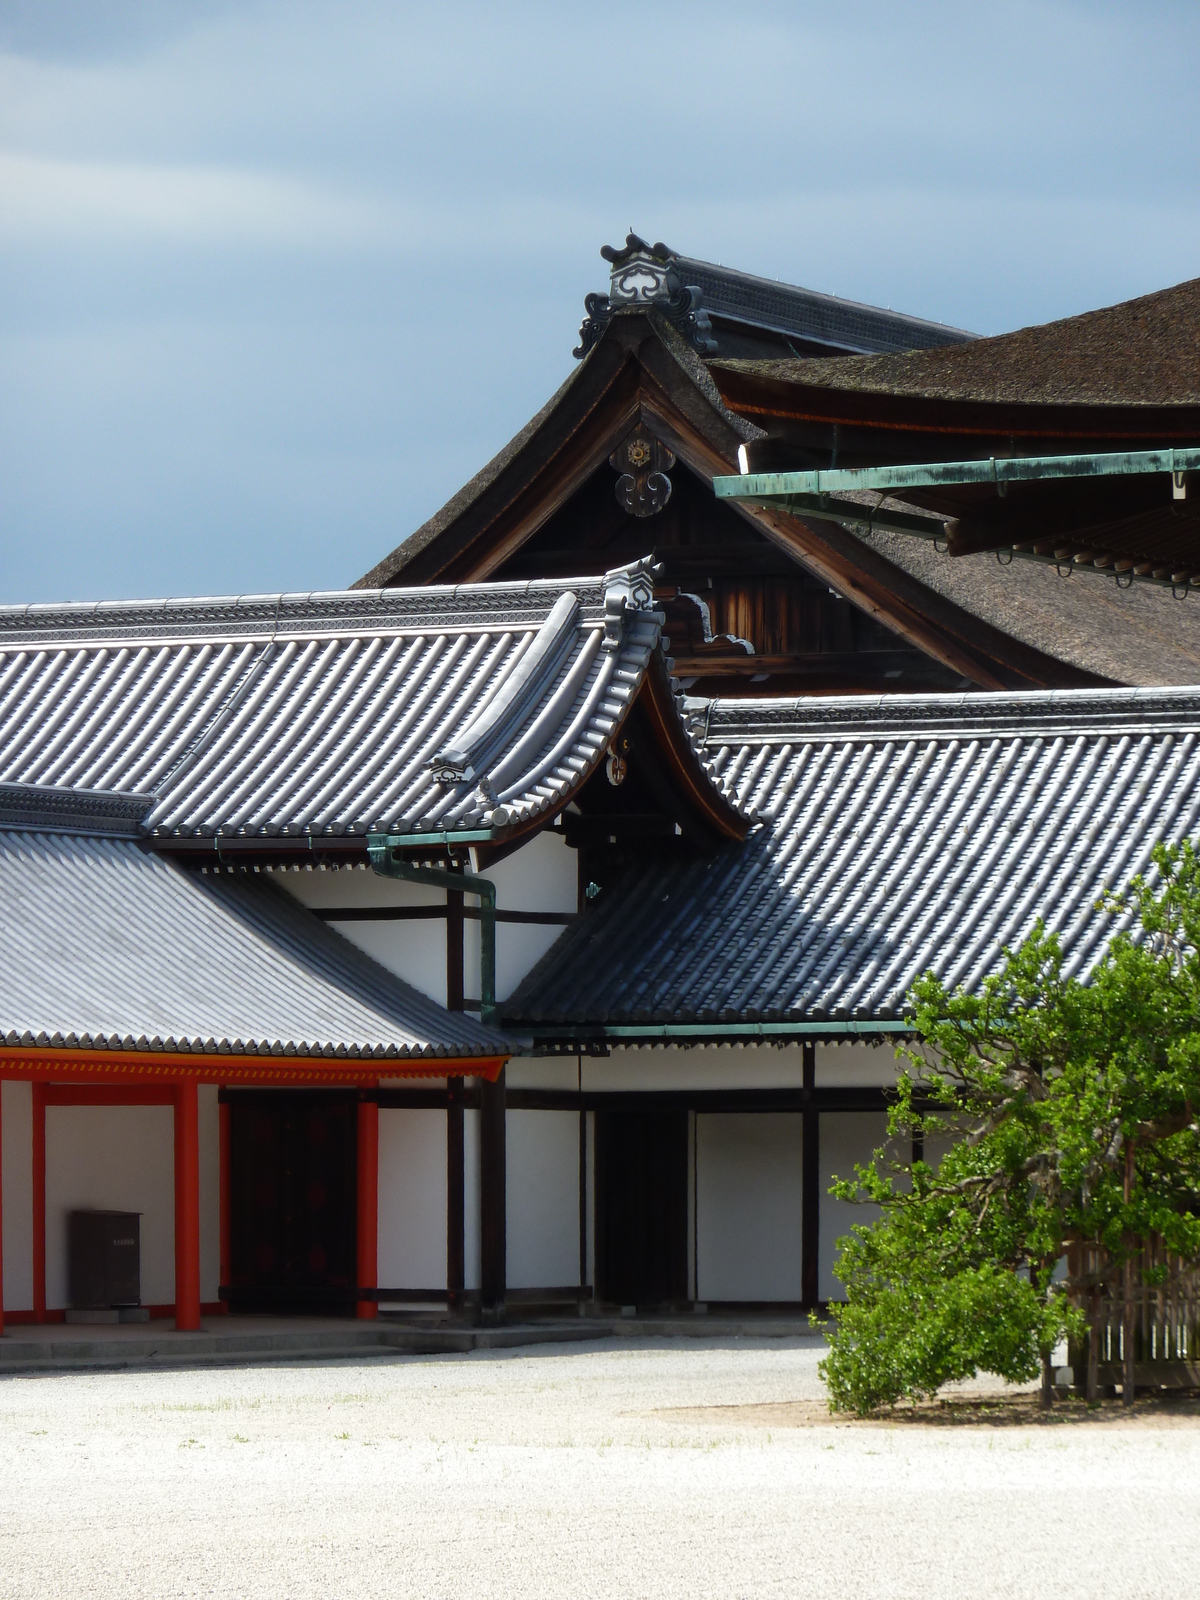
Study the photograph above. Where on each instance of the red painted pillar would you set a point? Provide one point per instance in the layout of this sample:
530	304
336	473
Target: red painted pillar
187	1207
1	1210
39	1202
368	1204
225	1157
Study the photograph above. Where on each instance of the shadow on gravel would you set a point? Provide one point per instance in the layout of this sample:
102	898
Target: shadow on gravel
990	1411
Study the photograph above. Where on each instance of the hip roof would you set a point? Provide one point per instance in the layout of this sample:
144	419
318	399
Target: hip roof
896	835
106	946
443	708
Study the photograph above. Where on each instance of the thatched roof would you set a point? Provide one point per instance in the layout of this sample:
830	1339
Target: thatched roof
1140	352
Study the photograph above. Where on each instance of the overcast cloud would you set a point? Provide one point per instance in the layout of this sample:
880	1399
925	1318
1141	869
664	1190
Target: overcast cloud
277	278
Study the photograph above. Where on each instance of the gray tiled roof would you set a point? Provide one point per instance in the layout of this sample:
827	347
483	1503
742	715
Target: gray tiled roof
104	945
444	707
897	834
810	315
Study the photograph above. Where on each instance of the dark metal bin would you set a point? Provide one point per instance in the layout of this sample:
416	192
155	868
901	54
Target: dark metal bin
104	1258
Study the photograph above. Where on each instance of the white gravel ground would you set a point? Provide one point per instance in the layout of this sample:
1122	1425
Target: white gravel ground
587	1470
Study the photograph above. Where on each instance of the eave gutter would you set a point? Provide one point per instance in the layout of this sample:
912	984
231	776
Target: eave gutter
932	475
382	849
716	1031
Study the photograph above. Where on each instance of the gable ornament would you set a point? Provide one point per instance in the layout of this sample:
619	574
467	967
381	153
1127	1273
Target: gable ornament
643	488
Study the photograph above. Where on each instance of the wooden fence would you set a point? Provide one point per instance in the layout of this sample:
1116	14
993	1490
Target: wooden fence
1166	1337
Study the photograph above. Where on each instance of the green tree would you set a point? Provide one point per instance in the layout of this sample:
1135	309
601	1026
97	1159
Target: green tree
1066	1111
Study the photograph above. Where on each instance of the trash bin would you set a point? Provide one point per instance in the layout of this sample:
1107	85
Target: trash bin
104	1265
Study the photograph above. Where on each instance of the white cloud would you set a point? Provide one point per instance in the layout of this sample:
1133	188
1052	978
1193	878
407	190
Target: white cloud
43	198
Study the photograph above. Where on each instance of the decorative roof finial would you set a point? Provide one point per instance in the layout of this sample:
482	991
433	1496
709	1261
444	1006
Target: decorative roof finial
645	275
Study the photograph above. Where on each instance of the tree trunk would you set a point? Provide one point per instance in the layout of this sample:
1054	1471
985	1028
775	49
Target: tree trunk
1093	1355
1046	1397
1127	1391
1129	1320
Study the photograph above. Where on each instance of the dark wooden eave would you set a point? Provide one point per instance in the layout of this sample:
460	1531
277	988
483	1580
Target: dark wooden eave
643	371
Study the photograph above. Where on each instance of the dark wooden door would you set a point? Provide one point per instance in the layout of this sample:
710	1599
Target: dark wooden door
293	1201
641	1206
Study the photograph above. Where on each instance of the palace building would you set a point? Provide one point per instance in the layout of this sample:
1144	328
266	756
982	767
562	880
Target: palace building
529	926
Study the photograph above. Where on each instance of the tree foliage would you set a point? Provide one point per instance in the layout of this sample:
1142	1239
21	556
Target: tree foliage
1064	1111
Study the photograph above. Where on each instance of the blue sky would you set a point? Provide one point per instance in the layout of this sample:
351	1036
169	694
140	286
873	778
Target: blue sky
275	279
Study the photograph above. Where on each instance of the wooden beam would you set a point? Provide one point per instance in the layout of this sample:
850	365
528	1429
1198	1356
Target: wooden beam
810	1196
492	1198
456	1278
135	1066
971	647
39	1202
367	1228
187	1208
225	1192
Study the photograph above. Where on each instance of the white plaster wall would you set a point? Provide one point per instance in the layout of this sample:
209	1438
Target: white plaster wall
118	1158
857	1065
542	1197
542	875
713	1067
412	1198
847	1138
16	1123
210	1196
414	951
543	1072
748	1200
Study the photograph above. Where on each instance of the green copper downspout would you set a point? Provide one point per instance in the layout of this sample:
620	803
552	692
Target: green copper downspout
382	847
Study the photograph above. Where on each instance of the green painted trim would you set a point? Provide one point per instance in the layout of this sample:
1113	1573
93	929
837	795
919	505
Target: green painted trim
410	841
711	1030
928	475
381	848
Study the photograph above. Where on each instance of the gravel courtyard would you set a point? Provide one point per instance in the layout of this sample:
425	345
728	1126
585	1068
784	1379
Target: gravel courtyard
618	1468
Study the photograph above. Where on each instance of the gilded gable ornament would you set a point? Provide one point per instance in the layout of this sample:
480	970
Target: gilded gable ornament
643	487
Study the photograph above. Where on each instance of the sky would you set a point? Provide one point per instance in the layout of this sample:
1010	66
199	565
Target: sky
277	278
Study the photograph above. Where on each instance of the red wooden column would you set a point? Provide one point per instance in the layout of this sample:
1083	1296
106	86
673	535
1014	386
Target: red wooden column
39	1202
368	1204
1	1209
225	1157
187	1207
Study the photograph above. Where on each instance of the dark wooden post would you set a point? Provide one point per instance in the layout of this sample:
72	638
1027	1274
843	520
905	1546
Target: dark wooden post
456	1275
456	1270
810	1179
39	1202
492	1180
1129	1323
225	1193
367	1252
583	1185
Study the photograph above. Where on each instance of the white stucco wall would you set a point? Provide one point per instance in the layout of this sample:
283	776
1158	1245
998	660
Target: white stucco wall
414	951
16	1122
412	1198
542	1199
855	1064
118	1158
540	876
748	1203
122	1158
680	1067
847	1138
